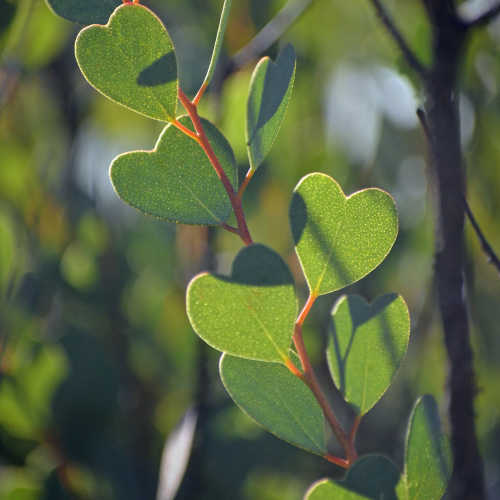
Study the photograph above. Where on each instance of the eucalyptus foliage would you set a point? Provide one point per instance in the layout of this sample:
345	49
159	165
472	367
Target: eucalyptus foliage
251	315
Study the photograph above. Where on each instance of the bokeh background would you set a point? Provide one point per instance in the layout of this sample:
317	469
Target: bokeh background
100	371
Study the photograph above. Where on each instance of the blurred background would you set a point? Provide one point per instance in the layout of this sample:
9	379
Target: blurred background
100	371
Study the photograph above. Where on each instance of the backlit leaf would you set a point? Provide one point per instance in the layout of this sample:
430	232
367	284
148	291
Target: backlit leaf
131	60
176	181
269	94
428	457
340	240
276	399
366	346
250	313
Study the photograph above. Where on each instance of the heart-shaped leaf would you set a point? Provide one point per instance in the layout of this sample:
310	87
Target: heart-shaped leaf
84	11
428	457
366	347
176	181
269	94
131	60
251	313
340	240
276	399
371	477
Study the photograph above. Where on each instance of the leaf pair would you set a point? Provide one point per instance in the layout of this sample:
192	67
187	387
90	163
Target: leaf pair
251	314
131	60
367	347
428	466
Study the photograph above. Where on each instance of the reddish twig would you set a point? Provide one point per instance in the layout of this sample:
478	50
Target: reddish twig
203	141
354	428
245	182
337	461
310	379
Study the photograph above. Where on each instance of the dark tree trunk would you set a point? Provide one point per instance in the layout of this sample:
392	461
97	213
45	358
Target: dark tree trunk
444	133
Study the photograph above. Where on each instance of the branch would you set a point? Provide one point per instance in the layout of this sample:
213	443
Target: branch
311	381
487	249
203	141
490	253
408	54
485	18
269	34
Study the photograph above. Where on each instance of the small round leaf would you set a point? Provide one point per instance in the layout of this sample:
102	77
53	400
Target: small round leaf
340	240
131	60
252	312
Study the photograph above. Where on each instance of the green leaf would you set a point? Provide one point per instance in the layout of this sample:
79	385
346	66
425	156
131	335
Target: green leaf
251	313
84	11
176	181
340	240
218	42
131	60
428	457
371	477
276	399
269	94
366	347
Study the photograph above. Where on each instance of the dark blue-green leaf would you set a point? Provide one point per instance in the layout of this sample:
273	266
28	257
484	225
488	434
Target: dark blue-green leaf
373	477
84	11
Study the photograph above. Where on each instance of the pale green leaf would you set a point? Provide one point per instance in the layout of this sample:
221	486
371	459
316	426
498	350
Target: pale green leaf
340	240
373	477
176	181
250	313
269	94
84	11
428	457
131	60
367	344
276	399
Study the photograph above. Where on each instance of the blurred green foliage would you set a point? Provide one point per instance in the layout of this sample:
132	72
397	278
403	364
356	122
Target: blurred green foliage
98	361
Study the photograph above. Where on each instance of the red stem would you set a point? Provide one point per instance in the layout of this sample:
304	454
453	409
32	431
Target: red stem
199	95
354	428
244	184
337	461
202	139
310	379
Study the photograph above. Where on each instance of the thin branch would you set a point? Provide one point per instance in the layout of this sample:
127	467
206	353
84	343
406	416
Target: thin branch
245	182
229	228
487	249
184	129
310	379
490	253
485	18
408	54
202	138
354	428
337	461
269	34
